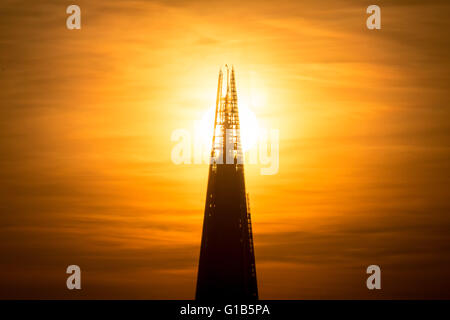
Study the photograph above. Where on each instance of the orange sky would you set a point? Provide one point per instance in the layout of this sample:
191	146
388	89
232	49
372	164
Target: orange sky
86	120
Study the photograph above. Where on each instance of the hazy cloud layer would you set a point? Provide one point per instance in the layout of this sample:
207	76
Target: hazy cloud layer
85	124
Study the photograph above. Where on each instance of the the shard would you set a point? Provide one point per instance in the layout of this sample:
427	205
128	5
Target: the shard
227	261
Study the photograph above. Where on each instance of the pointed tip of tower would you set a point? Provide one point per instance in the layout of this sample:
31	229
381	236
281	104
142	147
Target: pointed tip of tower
228	67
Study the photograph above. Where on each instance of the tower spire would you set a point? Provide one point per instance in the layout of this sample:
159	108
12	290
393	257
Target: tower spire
227	261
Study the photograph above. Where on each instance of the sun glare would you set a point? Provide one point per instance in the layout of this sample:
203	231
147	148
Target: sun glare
249	127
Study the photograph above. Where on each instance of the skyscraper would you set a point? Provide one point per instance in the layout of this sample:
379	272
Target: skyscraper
227	260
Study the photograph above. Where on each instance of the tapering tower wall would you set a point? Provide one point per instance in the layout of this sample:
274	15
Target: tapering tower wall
227	262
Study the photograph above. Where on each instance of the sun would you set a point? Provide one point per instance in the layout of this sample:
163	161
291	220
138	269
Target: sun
249	127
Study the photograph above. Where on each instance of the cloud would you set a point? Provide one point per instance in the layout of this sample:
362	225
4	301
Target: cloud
85	130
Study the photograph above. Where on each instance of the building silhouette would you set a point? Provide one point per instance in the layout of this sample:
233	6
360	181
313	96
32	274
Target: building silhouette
227	261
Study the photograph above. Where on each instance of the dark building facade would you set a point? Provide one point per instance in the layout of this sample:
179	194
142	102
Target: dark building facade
227	260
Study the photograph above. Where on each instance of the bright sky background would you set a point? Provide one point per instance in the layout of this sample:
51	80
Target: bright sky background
86	119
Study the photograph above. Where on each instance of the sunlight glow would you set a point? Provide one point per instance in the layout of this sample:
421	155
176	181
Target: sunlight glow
249	127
